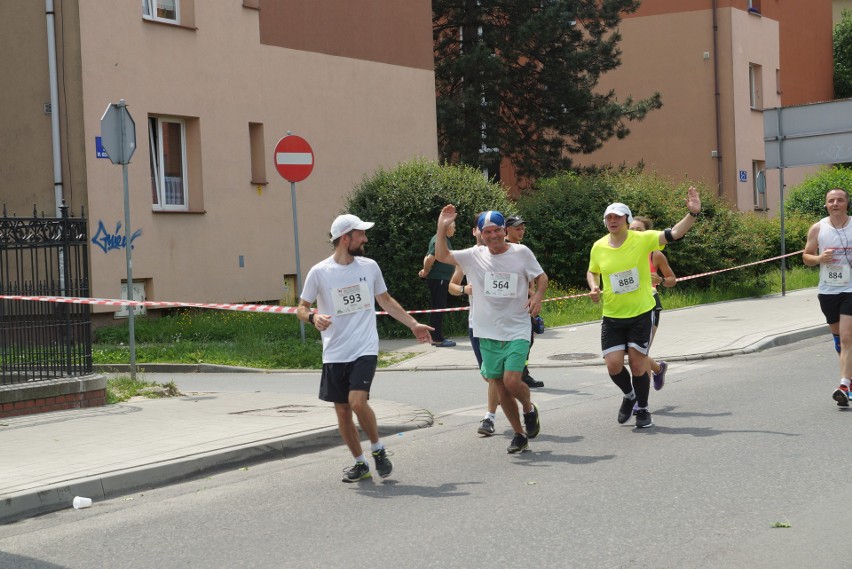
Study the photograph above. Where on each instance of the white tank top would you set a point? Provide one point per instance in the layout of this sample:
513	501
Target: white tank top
835	277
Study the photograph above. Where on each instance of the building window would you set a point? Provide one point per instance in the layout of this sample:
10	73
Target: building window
758	177
755	85
161	10
167	144
258	156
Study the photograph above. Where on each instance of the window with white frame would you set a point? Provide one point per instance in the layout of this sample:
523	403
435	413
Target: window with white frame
758	177
167	145
755	85
161	10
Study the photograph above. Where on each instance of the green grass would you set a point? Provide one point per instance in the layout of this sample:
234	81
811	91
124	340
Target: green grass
272	341
122	388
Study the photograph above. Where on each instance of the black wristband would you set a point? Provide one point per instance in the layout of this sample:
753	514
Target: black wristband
311	317
694	214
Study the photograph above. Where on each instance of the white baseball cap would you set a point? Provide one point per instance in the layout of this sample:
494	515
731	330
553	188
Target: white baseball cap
345	223
618	208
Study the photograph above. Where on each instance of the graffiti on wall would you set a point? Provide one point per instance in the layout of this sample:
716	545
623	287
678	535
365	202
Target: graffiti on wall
112	241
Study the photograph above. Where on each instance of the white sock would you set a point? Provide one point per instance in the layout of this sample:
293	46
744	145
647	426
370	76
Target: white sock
376	446
491	416
844	381
363	459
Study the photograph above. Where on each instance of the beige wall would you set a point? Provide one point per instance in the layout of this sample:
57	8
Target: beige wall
668	47
358	115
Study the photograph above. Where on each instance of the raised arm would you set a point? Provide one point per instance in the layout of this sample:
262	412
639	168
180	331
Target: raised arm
693	204
442	252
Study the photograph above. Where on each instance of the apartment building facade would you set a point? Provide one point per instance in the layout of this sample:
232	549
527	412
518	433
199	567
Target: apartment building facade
212	86
718	64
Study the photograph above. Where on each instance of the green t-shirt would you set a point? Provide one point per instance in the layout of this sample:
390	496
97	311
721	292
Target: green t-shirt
626	273
440	271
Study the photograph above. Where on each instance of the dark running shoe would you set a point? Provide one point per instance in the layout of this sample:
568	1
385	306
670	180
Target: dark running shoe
643	419
532	422
383	464
528	379
519	444
841	395
486	427
625	410
356	473
660	378
445	344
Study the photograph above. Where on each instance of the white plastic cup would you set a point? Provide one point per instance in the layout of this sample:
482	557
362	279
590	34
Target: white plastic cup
80	502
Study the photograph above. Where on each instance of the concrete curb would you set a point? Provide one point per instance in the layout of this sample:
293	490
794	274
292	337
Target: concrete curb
117	483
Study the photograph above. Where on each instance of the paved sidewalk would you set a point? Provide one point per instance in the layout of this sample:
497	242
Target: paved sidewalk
104	452
699	332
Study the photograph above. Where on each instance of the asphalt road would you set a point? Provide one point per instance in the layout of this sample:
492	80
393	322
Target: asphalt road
740	444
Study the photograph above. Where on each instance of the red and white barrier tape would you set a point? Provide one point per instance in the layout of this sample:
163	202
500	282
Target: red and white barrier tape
274	309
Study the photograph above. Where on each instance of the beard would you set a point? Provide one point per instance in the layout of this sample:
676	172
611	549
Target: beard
356	251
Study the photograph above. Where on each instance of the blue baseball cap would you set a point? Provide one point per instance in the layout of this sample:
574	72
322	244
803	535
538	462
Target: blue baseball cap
489	218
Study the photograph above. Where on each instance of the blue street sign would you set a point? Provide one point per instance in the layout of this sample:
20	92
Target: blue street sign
99	148
743	176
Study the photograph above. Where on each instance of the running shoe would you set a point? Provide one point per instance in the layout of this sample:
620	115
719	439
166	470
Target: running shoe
356	473
528	379
519	444
660	378
444	344
625	410
643	419
532	422
383	464
486	427
841	395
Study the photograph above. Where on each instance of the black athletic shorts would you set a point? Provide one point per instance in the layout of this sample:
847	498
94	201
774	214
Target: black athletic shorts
833	305
339	379
618	334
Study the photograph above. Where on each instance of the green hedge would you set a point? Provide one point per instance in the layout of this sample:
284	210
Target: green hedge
808	198
405	203
565	217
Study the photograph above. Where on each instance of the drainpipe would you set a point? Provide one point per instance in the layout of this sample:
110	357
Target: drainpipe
54	105
718	98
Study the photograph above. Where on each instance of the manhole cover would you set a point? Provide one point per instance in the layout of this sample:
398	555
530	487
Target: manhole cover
282	410
573	357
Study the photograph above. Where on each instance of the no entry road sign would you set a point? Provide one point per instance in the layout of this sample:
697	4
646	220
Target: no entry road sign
294	158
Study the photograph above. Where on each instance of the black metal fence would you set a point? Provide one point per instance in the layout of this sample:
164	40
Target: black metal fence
42	256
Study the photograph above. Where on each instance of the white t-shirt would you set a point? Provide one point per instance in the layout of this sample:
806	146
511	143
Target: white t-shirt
835	277
348	294
500	286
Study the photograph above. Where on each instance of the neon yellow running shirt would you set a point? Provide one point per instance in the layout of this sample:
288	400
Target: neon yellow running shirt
625	273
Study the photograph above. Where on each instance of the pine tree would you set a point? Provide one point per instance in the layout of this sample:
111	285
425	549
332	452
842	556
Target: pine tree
516	79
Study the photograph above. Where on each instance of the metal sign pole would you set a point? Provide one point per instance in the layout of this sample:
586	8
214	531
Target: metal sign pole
298	262
783	233
127	253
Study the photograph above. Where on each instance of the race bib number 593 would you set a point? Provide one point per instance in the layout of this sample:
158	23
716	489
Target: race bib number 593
353	298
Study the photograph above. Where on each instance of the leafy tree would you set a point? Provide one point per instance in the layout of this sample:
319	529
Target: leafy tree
843	56
516	79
